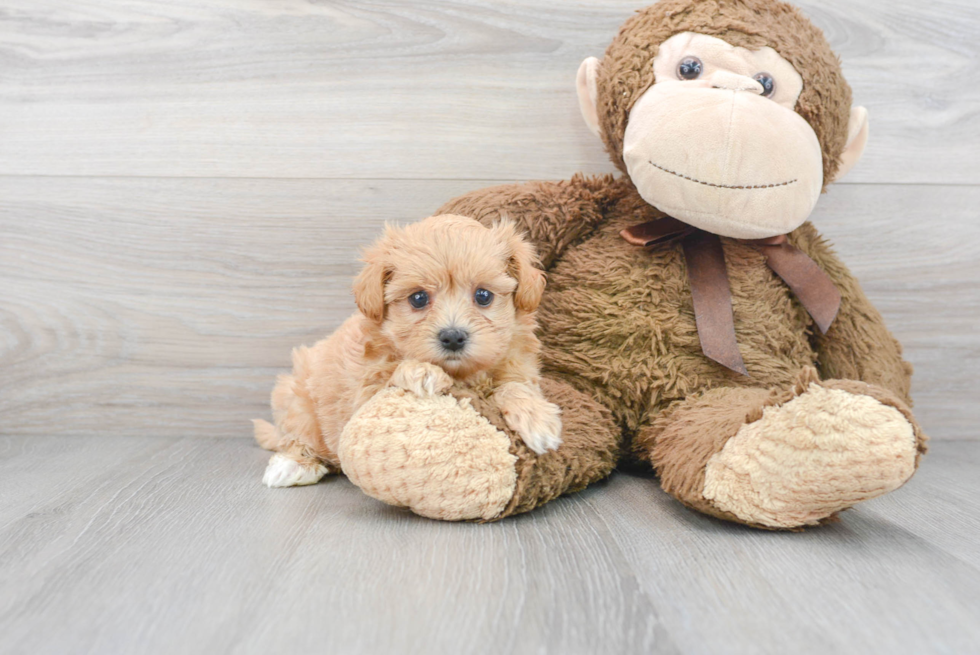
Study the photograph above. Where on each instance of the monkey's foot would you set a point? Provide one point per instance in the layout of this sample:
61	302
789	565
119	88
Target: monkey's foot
817	454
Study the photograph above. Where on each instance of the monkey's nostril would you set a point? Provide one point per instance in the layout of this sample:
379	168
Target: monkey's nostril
453	339
734	82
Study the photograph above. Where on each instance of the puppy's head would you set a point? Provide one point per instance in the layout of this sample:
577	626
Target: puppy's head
449	291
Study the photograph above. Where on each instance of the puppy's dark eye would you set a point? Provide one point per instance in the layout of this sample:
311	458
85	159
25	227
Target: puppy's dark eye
768	84
690	68
419	299
483	297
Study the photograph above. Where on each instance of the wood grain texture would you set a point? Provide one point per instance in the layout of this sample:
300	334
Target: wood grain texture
472	89
887	578
165	307
143	545
184	187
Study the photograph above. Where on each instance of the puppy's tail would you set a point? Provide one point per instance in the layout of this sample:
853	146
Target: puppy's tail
266	434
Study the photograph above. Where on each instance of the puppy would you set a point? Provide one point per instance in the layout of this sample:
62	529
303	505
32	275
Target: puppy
442	300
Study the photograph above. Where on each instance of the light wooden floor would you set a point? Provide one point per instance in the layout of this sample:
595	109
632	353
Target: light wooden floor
184	187
160	545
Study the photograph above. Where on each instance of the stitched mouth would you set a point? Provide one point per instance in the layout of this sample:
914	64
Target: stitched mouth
721	186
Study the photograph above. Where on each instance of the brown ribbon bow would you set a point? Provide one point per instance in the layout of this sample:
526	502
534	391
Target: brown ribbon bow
712	294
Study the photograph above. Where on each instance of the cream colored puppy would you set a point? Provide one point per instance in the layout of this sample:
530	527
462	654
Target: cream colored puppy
442	300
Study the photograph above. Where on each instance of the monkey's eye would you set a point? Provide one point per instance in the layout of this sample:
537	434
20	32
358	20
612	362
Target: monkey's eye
690	68
768	84
483	297
419	299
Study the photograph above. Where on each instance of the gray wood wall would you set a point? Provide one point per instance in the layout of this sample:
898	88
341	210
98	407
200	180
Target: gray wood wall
184	185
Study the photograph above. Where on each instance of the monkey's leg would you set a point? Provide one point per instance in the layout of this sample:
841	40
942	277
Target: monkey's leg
783	458
451	457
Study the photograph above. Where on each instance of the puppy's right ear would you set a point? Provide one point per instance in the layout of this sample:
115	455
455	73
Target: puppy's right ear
369	285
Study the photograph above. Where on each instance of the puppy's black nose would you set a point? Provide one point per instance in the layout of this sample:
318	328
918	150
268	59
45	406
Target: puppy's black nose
453	338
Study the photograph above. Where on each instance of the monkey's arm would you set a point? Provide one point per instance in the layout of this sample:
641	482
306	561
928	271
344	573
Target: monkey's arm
551	214
858	346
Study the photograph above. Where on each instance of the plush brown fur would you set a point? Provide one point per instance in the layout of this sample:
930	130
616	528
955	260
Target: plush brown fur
620	346
617	323
587	454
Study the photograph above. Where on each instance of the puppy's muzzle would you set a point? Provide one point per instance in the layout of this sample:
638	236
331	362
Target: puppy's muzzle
453	339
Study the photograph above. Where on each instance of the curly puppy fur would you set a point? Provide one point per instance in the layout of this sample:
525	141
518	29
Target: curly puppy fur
390	341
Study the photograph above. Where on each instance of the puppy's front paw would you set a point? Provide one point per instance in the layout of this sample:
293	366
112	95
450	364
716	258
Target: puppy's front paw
534	419
421	378
284	471
541	431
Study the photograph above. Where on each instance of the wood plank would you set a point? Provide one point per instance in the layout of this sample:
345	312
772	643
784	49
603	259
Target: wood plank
172	545
914	249
165	307
461	89
187	552
944	506
863	585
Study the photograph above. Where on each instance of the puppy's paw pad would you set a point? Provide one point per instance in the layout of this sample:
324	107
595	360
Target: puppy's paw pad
421	378
536	421
284	471
541	442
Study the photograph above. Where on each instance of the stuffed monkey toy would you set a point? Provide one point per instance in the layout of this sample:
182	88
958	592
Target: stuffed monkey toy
694	320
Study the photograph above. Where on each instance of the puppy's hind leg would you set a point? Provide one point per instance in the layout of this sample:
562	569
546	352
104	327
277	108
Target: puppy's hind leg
293	470
302	457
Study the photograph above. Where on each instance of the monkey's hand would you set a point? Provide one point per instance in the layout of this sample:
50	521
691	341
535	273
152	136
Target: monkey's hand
420	378
527	413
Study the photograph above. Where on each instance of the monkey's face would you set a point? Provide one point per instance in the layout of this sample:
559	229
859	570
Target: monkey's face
716	141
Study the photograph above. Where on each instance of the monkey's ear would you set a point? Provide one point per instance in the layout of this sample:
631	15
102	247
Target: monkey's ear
585	83
857	138
522	266
369	285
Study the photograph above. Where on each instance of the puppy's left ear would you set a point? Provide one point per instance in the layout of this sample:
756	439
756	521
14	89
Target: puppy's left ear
522	265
